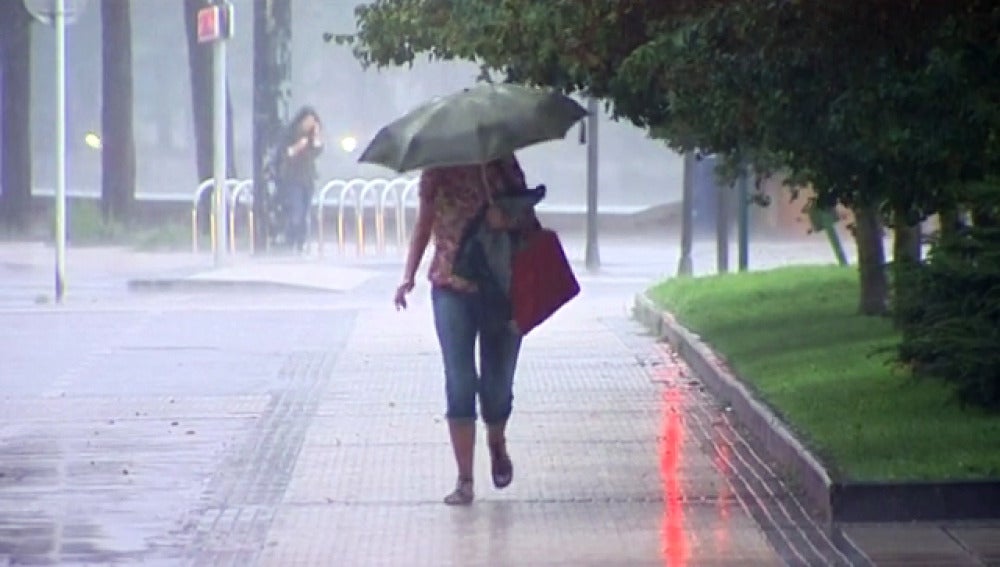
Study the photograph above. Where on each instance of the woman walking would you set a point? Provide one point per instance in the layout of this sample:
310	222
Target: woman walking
450	199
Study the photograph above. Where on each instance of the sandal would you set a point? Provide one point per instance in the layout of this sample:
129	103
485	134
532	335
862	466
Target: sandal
502	468
462	495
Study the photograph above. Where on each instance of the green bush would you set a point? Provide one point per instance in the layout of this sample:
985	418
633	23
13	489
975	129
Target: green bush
949	315
166	236
85	225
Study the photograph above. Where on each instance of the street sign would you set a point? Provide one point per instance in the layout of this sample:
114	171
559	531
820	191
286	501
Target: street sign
44	10
215	22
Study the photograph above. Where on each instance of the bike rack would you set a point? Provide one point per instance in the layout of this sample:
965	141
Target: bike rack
391	190
229	185
412	188
348	189
320	205
369	188
361	194
234	200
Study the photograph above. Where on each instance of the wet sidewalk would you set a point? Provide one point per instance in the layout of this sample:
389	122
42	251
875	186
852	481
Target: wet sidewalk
614	454
262	427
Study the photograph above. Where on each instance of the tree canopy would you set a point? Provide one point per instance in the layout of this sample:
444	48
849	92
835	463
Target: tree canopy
884	102
887	107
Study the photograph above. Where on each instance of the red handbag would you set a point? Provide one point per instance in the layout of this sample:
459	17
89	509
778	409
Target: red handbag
542	280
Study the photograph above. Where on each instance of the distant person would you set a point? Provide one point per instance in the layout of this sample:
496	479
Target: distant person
451	198
296	174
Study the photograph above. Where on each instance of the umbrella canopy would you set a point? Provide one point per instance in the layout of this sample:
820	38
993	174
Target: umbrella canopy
474	126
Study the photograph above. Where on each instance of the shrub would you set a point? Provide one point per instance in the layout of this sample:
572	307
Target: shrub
949	314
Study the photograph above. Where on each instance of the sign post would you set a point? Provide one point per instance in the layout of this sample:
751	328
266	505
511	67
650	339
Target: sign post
215	26
57	14
592	255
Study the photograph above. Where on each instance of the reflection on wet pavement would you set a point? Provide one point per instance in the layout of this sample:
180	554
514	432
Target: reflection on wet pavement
188	432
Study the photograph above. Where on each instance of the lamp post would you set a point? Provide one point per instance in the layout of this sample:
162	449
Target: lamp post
215	26
59	14
685	267
592	254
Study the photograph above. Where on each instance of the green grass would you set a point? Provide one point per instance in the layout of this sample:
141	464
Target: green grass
86	227
794	335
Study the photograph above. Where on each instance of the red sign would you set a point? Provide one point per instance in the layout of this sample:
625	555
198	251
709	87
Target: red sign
209	28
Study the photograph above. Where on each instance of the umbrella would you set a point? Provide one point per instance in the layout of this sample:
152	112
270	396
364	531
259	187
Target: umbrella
474	126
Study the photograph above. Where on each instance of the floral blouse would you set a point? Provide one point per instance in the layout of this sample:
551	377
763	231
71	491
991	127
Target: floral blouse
456	194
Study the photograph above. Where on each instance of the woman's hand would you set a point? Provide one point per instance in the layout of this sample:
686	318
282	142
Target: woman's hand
401	291
296	148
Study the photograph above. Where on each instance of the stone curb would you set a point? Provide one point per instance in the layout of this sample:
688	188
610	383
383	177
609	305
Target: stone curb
186	284
833	500
778	441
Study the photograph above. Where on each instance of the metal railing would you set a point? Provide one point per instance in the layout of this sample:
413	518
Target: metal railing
396	191
229	186
362	196
241	194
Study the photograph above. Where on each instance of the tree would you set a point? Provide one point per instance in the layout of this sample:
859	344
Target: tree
15	116
200	65
849	97
272	59
118	140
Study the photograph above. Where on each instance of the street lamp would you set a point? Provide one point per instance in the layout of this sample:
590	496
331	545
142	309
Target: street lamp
93	141
59	14
348	143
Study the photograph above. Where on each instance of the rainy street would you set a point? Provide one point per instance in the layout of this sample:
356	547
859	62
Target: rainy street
778	350
303	426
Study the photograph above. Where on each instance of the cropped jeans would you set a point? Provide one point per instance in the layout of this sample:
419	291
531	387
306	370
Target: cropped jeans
459	321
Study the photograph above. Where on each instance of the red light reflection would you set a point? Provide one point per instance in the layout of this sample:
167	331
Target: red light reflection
721	461
674	544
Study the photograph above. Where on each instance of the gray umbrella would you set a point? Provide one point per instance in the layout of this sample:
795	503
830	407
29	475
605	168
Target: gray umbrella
474	126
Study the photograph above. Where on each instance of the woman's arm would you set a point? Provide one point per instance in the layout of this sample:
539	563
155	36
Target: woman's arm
420	239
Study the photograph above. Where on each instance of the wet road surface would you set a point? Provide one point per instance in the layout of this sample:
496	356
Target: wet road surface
243	427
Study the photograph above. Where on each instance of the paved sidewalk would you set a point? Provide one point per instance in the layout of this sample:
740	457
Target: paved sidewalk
608	469
621	459
281	428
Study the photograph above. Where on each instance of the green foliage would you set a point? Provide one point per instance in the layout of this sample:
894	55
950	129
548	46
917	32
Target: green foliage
793	334
163	238
949	311
885	107
870	103
85	225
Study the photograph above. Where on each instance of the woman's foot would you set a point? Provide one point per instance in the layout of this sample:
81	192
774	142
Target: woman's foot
462	495
502	467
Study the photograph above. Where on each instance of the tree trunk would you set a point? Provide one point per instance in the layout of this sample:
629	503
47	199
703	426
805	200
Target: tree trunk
907	243
118	148
15	115
906	255
949	222
272	67
200	68
871	261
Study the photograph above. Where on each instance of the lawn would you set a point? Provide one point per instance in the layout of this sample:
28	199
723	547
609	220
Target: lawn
793	334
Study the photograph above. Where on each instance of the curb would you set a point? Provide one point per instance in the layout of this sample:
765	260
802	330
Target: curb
835	500
185	284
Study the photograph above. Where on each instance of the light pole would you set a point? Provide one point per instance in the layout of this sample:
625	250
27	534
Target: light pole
215	26
743	185
55	13
685	267
591	254
219	144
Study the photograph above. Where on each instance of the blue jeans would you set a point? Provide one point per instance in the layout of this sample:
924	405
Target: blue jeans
297	196
458	319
